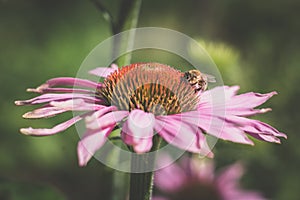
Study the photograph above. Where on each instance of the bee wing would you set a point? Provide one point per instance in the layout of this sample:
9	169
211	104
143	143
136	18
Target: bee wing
210	78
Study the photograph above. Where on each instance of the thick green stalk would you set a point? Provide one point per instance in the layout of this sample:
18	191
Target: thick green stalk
141	184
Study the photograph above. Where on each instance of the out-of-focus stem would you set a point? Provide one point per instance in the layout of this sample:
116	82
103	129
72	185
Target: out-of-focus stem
127	19
105	13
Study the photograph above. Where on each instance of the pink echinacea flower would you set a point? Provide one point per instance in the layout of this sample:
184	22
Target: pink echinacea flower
148	98
194	179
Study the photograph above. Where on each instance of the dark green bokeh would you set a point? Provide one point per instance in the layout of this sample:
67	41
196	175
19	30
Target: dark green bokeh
45	39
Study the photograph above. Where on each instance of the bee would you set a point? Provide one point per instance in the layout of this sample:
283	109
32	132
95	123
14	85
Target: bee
198	80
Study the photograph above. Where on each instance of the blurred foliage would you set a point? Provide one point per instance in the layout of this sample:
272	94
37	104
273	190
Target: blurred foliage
28	191
226	59
254	43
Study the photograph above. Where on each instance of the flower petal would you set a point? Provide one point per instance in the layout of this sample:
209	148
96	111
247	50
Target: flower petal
231	175
99	113
90	143
178	133
69	81
250	100
58	107
221	100
255	126
267	138
59	90
228	184
170	178
202	169
76	105
219	128
218	95
107	119
44	98
213	102
226	131
104	71
205	149
43	112
45	131
246	111
138	130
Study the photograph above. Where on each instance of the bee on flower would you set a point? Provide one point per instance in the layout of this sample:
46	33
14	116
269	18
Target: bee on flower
198	80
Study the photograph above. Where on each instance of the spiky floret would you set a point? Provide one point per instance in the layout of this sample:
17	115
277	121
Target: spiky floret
151	87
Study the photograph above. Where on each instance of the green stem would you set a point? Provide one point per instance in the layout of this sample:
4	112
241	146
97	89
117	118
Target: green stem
128	19
141	184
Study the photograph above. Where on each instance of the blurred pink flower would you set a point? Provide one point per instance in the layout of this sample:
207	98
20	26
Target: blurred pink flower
194	179
148	98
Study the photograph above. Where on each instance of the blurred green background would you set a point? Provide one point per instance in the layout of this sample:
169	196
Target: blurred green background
254	43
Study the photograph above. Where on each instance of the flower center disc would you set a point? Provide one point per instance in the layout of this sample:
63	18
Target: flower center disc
151	87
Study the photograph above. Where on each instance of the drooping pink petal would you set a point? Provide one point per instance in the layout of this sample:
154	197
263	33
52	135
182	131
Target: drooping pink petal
138	130
255	126
58	107
59	90
218	95
214	126
246	111
213	102
50	131
221	100
190	117
226	131
90	143
99	113
104	71
268	138
44	112
178	133
226	125
223	130
142	146
107	119
193	118
69	81
55	97
205	150
249	100
76	105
